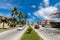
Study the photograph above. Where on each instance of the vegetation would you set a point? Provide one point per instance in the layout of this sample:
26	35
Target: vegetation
29	30
31	36
14	19
19	15
4	20
14	13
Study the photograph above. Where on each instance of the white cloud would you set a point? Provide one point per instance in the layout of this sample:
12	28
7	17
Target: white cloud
45	13
46	2
33	6
33	17
29	14
40	6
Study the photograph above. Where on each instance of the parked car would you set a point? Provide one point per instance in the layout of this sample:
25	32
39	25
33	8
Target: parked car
20	27
36	27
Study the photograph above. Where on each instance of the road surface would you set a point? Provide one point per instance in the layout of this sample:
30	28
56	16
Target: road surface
11	34
49	33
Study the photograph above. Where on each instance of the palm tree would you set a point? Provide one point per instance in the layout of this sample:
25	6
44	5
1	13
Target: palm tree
20	16
25	18
4	20
14	13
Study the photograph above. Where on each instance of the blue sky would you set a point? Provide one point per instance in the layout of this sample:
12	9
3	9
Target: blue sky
35	9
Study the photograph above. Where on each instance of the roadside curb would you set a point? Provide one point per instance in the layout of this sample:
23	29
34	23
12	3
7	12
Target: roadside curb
38	34
20	36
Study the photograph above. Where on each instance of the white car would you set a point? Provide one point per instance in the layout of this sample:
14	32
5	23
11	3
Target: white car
20	27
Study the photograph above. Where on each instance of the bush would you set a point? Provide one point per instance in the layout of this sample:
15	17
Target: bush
29	30
12	25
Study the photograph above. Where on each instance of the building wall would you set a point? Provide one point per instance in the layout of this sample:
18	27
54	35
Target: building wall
46	23
5	25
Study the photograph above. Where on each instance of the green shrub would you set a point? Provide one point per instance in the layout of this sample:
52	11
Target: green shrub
29	30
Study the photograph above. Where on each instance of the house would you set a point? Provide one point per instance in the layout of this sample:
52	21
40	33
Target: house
3	24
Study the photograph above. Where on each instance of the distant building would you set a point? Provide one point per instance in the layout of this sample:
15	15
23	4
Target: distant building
56	23
45	23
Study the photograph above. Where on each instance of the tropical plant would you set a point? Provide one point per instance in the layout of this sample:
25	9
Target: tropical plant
14	14
12	21
4	20
25	17
20	16
29	30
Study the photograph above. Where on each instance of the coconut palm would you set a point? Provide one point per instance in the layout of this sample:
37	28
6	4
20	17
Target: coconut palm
14	13
25	18
20	16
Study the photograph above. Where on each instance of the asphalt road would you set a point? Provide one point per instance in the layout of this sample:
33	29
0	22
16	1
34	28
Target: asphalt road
50	33
10	35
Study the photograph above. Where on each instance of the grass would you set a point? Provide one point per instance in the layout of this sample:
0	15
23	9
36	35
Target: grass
32	36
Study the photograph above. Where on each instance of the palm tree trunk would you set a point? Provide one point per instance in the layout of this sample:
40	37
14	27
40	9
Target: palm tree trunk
14	19
19	20
3	25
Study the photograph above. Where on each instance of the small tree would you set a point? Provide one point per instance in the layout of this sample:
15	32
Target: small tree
12	22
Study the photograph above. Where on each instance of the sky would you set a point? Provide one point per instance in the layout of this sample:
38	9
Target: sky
36	10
